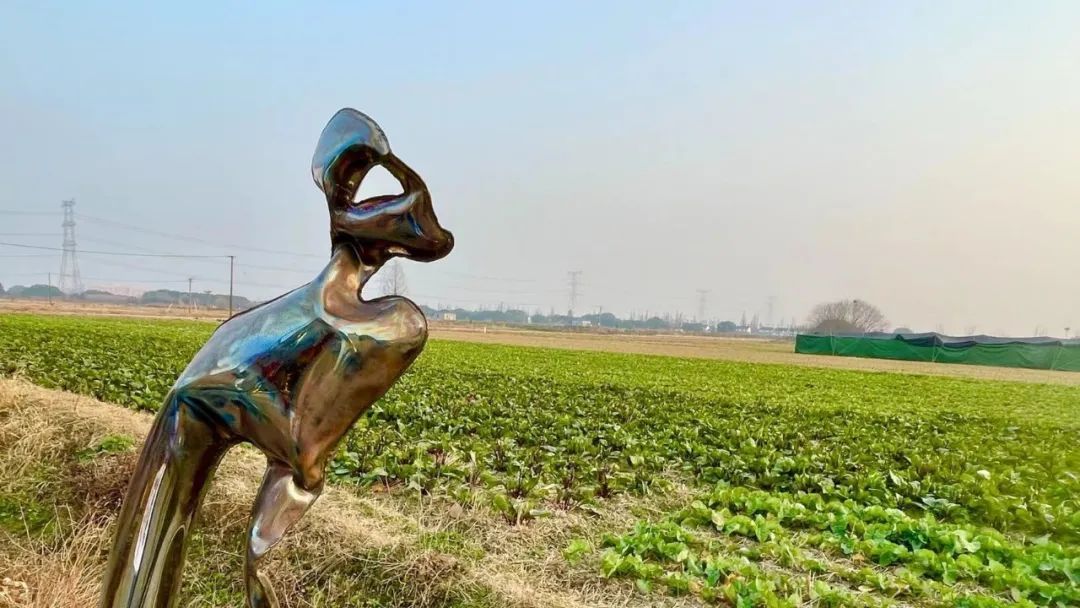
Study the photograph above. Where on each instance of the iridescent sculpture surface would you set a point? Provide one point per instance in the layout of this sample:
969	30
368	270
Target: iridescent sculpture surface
290	377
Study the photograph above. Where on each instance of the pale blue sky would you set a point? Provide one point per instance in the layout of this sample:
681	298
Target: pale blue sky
922	156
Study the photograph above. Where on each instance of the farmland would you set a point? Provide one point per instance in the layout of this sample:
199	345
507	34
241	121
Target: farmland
741	483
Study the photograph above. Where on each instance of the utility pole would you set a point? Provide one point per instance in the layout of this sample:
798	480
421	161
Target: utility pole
232	261
49	290
772	306
703	296
574	275
189	301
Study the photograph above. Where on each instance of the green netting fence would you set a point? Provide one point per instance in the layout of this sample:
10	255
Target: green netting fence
1033	353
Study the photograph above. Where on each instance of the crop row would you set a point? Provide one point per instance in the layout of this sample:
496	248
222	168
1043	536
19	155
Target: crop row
733	537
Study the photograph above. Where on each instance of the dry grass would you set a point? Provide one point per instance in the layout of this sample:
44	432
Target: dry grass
58	566
353	549
57	572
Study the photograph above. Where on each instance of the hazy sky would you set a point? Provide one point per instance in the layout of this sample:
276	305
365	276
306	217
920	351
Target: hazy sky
922	156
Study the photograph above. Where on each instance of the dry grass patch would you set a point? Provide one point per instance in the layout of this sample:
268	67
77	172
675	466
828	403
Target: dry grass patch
54	571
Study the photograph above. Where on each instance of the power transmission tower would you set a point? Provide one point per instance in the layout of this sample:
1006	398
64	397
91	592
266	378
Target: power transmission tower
703	296
574	275
772	307
70	281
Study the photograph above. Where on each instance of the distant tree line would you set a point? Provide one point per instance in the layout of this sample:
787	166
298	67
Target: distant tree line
33	291
157	297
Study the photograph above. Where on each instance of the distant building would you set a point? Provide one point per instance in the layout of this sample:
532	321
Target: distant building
446	315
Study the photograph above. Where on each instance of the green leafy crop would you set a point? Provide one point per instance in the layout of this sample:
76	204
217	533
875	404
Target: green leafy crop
916	483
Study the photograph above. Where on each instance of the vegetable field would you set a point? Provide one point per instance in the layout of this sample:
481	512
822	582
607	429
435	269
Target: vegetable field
803	485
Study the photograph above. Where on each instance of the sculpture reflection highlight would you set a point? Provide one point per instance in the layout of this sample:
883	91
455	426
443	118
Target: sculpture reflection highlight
290	376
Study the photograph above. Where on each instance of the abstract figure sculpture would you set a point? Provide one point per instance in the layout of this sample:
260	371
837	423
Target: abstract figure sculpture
290	377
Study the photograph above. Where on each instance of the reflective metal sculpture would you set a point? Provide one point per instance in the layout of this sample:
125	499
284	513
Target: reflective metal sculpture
290	377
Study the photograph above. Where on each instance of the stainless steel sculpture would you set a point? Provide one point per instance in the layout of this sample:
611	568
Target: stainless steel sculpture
290	377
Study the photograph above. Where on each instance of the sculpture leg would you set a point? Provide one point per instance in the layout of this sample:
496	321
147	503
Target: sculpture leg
279	504
174	468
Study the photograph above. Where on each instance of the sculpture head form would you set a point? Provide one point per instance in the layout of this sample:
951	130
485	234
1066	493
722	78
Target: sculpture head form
290	377
380	227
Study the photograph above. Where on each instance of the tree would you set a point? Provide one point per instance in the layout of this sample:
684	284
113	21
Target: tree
392	281
42	291
1	289
846	316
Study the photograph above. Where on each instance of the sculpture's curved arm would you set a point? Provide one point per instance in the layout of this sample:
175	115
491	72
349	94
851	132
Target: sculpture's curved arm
403	224
279	504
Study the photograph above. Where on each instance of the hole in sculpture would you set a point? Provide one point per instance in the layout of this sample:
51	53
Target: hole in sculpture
377	182
388	281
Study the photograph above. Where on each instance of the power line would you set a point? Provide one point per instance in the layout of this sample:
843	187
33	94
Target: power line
276	268
188	238
24	274
212	259
141	230
126	280
146	268
488	278
207	260
123	226
144	255
94	239
533	292
20	212
174	235
258	284
473	301
124	249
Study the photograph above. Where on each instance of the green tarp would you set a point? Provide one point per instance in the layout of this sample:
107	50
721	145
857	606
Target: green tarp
1034	353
